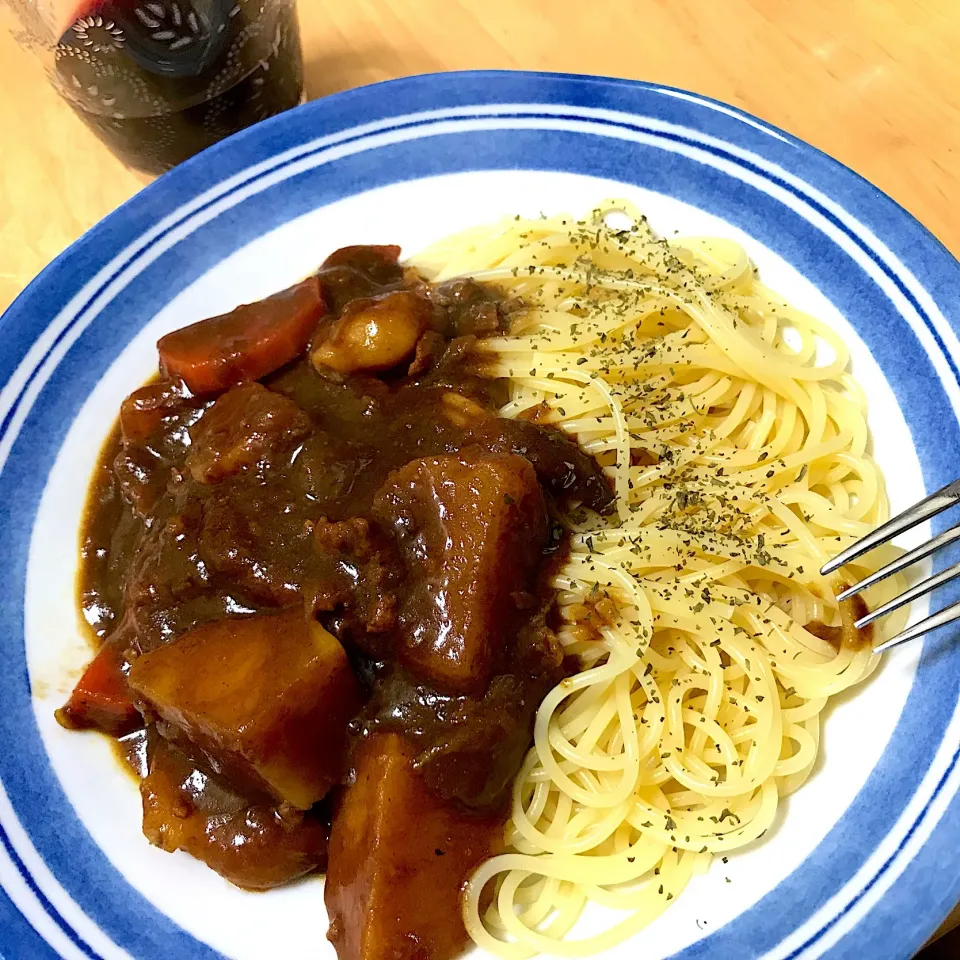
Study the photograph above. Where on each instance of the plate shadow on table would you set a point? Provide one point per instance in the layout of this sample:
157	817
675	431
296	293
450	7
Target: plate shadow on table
946	948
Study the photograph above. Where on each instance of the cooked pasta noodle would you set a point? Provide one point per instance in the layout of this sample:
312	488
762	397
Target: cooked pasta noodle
709	643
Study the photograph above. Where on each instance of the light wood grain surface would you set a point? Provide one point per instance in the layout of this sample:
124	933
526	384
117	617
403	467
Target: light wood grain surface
875	83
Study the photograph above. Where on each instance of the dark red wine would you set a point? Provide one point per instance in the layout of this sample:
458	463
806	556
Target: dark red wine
159	80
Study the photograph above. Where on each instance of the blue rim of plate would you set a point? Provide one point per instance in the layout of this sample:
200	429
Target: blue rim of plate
883	877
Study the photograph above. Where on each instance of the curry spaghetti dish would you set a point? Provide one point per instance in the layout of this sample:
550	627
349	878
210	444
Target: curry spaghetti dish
709	642
485	584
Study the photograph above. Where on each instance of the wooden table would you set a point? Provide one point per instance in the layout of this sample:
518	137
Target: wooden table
875	83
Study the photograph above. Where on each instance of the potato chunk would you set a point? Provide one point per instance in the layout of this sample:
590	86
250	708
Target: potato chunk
266	698
371	336
471	527
398	858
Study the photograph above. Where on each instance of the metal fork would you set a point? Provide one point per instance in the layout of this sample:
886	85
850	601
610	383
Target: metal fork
926	508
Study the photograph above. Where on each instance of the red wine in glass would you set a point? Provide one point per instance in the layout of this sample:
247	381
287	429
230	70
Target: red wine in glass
160	80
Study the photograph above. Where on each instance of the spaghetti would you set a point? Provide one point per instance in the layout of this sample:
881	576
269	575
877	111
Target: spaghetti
709	643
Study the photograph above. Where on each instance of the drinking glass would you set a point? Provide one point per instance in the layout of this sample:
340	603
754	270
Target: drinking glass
159	80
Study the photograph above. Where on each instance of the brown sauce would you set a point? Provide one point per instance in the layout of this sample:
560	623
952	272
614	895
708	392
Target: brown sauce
847	634
332	539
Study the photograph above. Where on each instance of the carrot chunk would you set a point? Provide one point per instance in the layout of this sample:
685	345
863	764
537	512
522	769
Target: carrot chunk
101	699
248	343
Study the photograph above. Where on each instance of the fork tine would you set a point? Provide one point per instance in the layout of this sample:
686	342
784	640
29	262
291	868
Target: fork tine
904	560
945	616
918	590
928	507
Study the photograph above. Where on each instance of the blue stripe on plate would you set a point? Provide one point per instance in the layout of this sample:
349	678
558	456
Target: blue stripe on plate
16	934
50	910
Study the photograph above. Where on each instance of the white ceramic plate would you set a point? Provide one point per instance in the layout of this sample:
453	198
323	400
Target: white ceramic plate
861	862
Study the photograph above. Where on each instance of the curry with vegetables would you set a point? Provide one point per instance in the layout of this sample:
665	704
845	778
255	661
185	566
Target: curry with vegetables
316	563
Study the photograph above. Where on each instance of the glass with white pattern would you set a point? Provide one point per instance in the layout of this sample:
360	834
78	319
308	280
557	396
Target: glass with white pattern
160	80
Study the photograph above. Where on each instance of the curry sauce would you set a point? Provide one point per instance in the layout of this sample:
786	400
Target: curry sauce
316	563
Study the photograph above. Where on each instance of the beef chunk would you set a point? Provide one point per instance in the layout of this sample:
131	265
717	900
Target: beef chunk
363	572
154	429
393	882
258	542
168	584
470	307
468	748
471	528
266	698
250	842
142	413
141	476
429	349
242	430
563	468
352	272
